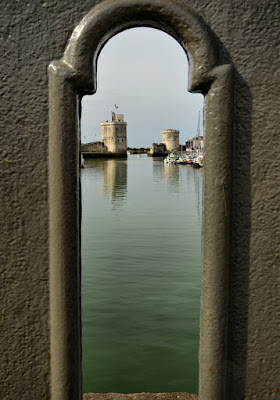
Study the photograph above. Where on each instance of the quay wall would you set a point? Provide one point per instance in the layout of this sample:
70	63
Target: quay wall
104	154
100	150
93	147
158	150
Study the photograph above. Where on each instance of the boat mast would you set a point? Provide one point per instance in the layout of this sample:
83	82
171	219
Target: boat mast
197	132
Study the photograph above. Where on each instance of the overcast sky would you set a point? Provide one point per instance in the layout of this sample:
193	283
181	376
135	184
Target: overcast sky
144	72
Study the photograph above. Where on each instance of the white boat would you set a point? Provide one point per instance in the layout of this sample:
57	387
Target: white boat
182	160
198	161
189	159
172	158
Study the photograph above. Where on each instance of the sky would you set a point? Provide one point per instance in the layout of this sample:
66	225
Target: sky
144	72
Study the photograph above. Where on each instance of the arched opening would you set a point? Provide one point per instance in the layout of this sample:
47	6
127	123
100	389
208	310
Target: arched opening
74	76
141	225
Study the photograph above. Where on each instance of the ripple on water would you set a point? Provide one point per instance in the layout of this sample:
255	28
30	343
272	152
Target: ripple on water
141	271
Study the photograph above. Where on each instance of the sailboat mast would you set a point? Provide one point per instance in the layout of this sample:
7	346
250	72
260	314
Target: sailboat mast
197	132
198	125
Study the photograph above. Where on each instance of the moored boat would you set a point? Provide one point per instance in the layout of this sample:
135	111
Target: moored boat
182	160
190	159
198	161
172	158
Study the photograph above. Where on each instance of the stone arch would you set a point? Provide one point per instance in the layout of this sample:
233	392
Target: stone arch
69	79
111	17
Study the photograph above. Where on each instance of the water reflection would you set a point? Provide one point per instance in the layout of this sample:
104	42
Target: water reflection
114	178
140	275
174	176
114	181
169	174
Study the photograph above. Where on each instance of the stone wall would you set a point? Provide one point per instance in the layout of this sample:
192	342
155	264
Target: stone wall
247	36
93	147
158	149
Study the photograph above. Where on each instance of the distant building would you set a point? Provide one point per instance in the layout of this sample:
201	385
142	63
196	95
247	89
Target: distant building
113	134
170	138
196	143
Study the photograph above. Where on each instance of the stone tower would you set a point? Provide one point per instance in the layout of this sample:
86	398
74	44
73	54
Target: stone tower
113	134
170	137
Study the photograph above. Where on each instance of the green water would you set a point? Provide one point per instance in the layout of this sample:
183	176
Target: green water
141	269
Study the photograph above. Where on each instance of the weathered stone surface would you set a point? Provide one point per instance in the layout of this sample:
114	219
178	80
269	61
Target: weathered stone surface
33	34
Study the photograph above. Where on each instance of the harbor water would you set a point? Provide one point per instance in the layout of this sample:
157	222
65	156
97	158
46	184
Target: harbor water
141	271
